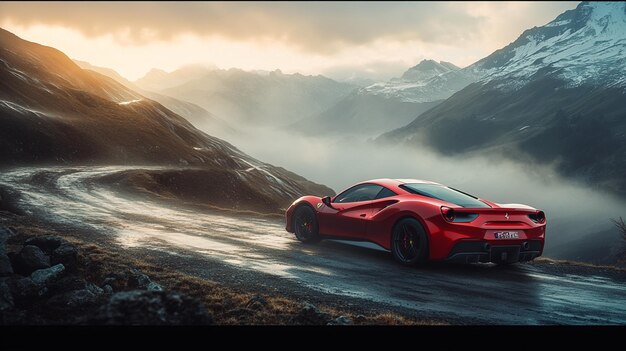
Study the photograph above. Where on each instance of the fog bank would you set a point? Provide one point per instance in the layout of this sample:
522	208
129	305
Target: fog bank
574	210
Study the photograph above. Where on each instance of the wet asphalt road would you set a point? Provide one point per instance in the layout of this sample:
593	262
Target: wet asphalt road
538	293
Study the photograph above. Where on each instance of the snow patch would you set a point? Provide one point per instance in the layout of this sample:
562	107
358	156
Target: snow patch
21	109
129	102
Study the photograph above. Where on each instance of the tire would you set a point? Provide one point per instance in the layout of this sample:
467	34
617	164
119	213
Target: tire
305	226
409	242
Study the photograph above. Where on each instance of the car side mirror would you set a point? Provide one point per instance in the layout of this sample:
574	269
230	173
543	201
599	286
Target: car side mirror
326	201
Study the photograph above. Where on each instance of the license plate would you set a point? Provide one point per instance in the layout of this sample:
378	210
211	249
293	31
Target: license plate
506	235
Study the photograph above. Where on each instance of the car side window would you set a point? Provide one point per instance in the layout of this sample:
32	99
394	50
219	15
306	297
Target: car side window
363	192
384	192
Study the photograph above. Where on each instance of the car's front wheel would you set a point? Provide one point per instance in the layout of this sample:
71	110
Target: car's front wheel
409	242
305	225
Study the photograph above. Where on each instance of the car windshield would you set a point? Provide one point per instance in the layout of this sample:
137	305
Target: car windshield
444	193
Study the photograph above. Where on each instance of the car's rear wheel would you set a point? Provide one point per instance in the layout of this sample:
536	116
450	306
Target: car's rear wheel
305	225
409	242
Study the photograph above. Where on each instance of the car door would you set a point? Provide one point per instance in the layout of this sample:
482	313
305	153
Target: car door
348	216
383	199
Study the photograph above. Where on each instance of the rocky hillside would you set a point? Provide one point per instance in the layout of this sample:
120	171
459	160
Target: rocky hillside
54	112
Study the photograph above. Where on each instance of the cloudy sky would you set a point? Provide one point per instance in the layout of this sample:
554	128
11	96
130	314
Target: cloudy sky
340	39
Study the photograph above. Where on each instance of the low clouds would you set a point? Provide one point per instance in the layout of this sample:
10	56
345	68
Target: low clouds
345	40
313	27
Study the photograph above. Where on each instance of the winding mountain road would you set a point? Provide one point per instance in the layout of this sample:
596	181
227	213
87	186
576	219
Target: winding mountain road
255	249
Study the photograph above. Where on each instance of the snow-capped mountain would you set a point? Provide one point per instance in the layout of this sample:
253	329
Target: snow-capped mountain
556	94
427	69
582	46
427	81
586	45
54	112
383	106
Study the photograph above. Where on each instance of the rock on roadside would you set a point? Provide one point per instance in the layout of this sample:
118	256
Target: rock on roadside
139	280
141	307
6	268
5	263
44	282
47	243
311	315
6	299
5	234
43	277
341	320
67	254
30	259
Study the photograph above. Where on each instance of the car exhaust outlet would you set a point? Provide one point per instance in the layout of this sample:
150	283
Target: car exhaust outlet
487	247
525	245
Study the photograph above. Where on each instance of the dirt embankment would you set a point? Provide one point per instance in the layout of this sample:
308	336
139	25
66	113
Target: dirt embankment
211	187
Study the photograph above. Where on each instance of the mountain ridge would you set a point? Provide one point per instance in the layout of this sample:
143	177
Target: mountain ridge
247	99
54	112
198	116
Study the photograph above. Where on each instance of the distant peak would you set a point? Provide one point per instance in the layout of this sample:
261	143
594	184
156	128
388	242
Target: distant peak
426	64
588	13
427	69
155	72
197	67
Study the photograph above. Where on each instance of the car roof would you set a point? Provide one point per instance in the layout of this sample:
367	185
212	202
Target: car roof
409	181
387	182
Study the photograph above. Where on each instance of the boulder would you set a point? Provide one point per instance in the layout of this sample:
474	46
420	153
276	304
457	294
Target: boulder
115	280
311	315
72	300
107	289
68	283
6	299
360	318
67	254
30	259
25	291
46	276
96	290
47	243
139	280
5	265
341	320
256	302
5	234
141	307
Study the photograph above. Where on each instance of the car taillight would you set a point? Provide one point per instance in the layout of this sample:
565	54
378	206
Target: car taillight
450	215
538	217
447	213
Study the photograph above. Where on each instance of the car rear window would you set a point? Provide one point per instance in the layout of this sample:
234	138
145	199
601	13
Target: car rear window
444	193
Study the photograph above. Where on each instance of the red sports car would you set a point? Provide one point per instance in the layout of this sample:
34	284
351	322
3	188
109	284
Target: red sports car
420	220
